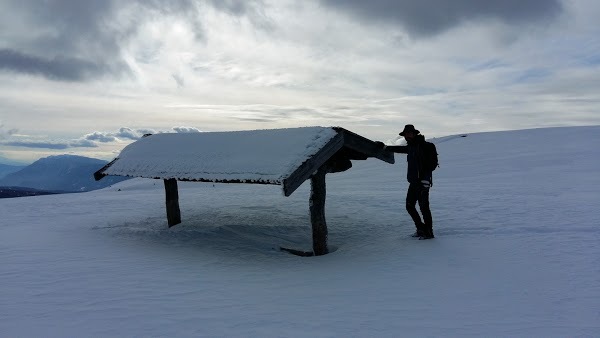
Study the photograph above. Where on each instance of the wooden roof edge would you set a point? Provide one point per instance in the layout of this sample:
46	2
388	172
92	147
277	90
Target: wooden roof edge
364	145
98	175
306	169
343	139
203	180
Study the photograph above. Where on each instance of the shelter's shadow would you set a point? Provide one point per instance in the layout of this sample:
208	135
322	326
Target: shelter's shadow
219	231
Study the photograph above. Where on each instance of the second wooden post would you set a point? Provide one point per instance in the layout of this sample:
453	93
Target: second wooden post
317	212
172	201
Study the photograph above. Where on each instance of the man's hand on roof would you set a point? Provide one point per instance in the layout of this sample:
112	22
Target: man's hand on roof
380	144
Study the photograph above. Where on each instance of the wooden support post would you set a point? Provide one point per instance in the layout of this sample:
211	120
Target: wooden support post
173	213
317	211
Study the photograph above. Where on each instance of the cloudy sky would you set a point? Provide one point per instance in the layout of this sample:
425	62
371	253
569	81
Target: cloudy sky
90	76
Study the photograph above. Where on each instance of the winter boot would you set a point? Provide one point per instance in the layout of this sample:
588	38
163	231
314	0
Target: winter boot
420	230
426	234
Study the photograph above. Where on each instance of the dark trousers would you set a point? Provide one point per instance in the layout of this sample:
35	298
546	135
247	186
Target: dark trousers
418	193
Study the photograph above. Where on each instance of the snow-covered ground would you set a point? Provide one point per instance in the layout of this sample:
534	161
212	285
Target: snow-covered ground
516	252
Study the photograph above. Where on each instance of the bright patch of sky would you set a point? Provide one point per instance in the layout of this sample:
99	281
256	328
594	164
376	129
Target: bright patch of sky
89	77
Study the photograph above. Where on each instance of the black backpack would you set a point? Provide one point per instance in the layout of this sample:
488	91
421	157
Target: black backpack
430	156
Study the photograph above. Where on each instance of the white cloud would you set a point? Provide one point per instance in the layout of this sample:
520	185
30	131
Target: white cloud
128	134
186	130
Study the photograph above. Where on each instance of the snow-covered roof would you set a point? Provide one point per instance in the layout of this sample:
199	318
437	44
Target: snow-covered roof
257	156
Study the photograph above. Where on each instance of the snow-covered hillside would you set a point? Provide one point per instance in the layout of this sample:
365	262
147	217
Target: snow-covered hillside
516	252
60	173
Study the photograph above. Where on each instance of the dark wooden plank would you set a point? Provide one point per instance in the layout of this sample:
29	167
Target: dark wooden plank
98	175
317	212
172	201
310	166
365	146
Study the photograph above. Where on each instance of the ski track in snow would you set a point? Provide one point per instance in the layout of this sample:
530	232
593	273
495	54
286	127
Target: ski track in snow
516	252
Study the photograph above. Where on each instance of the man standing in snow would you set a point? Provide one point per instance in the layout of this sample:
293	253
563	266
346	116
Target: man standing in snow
419	175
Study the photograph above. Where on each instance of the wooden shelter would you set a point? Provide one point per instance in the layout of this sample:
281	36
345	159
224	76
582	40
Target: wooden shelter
285	157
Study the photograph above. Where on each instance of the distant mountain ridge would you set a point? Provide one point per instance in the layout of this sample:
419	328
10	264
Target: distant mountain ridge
67	173
6	169
10	192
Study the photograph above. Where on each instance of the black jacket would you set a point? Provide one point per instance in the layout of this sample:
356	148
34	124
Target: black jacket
414	150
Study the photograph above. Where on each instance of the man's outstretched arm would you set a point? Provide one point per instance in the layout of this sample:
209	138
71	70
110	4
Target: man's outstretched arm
394	149
397	149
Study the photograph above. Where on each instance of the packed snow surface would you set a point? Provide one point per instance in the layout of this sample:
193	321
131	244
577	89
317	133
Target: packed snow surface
267	156
516	252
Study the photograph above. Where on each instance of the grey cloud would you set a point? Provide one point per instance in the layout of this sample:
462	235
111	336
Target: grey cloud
83	143
4	133
422	18
253	119
179	80
57	68
273	114
91	140
76	40
124	133
62	39
131	134
53	145
99	137
237	7
41	145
